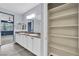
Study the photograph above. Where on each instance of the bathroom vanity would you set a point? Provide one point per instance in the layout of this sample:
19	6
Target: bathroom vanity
30	41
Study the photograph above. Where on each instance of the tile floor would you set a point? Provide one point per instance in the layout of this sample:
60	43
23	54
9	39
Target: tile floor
14	49
6	39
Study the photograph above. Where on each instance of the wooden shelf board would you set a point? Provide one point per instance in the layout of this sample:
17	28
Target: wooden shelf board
64	36
74	53
62	16
62	26
60	8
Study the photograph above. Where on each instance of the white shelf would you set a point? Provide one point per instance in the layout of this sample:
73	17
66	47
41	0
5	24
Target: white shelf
65	45
59	48
53	54
62	26
62	16
60	8
64	36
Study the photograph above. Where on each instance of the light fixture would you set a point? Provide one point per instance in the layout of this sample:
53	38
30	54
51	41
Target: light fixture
30	16
9	20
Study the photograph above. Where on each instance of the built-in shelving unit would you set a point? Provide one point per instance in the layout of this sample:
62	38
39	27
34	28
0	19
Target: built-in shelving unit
63	30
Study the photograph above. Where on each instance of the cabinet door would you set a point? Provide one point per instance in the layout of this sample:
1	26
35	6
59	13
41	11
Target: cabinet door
17	37
37	46
20	39
29	44
24	41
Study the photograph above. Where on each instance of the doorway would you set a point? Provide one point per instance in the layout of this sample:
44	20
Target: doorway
7	28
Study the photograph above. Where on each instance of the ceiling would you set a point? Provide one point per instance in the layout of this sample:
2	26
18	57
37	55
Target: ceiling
18	8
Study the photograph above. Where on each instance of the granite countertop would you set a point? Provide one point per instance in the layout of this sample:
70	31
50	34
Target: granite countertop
32	34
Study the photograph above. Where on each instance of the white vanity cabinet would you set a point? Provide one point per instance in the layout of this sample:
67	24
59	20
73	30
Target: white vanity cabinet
21	39
33	44
17	38
29	43
37	46
24	41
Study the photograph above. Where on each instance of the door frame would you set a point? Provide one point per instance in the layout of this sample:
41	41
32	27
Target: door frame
44	31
